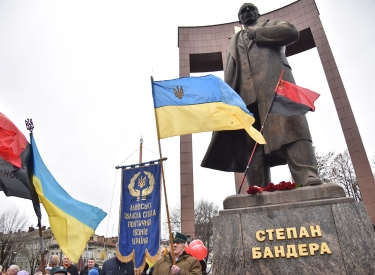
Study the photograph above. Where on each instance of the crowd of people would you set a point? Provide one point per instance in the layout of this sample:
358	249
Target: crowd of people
53	267
56	270
184	264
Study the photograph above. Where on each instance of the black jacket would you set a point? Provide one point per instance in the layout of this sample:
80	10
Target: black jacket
114	267
72	269
85	270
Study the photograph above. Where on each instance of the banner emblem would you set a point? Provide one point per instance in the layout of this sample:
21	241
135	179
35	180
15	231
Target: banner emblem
137	190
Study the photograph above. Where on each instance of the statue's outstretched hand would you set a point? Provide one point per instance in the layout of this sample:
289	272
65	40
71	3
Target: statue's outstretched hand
250	32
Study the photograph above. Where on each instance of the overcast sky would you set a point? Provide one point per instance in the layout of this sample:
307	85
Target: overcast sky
81	70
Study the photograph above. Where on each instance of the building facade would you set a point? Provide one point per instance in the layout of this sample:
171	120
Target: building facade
27	249
98	247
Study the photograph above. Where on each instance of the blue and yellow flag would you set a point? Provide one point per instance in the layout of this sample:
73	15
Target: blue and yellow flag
140	215
200	104
72	222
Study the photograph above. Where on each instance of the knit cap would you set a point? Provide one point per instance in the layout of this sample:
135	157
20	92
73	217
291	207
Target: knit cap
94	271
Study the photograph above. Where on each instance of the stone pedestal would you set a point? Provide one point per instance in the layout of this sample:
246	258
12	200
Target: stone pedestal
326	235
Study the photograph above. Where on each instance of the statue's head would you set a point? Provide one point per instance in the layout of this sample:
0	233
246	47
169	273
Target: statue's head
248	14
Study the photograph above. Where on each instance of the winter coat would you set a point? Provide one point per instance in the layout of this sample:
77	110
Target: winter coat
188	265
72	269
85	270
253	69
114	267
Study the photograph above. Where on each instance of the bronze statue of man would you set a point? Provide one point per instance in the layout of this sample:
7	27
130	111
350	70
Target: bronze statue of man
255	60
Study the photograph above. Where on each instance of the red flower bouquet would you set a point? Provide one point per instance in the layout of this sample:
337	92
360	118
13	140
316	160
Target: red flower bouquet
272	187
253	189
286	185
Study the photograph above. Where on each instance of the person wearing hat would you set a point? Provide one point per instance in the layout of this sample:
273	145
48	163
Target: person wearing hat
60	270
255	59
185	263
94	271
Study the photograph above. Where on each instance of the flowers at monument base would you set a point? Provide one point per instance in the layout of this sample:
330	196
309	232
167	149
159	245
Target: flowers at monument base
253	189
283	185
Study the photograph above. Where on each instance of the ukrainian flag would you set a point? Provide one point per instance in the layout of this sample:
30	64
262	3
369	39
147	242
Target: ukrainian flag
72	222
200	104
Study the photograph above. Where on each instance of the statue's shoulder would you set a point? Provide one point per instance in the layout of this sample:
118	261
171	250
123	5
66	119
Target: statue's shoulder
273	22
268	22
234	36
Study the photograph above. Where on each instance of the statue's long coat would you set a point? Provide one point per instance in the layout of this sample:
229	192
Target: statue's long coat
253	69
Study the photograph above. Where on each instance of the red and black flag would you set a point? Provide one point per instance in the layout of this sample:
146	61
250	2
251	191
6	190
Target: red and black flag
16	164
288	100
291	99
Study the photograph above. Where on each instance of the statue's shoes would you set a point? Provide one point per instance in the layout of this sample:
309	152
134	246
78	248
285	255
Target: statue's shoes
312	181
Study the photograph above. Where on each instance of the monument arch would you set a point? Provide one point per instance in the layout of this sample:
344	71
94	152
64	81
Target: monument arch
204	49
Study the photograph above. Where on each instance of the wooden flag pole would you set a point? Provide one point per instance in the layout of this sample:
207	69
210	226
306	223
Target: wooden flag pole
163	179
261	130
140	149
41	247
30	127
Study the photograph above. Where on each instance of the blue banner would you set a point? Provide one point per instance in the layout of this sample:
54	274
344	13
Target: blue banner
139	231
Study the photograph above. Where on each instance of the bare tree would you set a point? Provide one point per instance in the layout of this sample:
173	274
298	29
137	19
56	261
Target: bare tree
325	165
175	218
343	174
338	169
31	252
12	222
204	213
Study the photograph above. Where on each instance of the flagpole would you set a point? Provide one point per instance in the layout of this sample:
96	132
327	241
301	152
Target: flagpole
40	238
30	127
118	253
41	247
140	161
163	179
261	130
140	149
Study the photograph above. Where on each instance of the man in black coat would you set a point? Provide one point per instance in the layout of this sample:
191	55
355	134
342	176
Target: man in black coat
90	265
71	268
114	266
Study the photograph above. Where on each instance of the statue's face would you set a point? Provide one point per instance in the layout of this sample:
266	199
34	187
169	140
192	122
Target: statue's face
249	15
